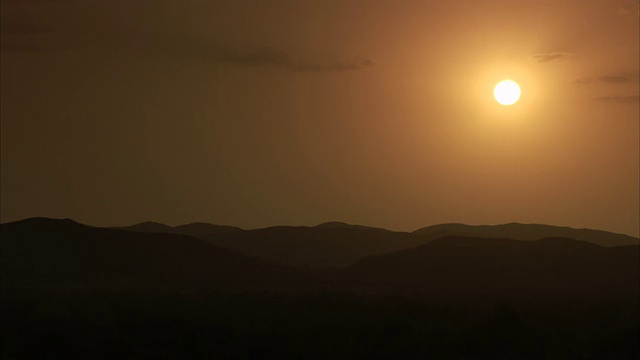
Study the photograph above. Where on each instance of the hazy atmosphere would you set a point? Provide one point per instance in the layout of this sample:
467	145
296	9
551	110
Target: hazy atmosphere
257	113
320	179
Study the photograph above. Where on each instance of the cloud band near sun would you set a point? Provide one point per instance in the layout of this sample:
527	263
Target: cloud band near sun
277	58
619	99
551	56
609	79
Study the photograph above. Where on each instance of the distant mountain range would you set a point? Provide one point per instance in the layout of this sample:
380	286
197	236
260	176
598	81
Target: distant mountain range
76	291
337	244
331	244
193	229
320	246
528	232
64	253
481	267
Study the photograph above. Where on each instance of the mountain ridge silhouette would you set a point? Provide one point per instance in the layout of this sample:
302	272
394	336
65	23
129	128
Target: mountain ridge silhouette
529	232
28	242
541	269
193	229
38	251
66	285
63	252
337	244
514	230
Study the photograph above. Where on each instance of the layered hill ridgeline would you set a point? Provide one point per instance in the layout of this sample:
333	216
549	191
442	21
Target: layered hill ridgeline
528	232
40	252
75	291
465	267
336	244
193	229
320	246
47	251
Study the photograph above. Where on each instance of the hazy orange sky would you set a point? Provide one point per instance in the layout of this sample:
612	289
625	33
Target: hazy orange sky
257	113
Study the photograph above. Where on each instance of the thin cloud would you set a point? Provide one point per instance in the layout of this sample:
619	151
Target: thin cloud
609	79
631	99
26	37
278	58
546	57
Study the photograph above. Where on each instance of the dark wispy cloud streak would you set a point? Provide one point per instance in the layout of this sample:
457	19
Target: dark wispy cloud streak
609	79
631	99
547	57
25	38
277	58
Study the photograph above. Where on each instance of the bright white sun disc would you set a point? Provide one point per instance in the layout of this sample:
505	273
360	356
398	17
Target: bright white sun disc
507	92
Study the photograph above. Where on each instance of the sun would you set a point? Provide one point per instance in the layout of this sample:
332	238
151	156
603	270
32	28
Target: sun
507	92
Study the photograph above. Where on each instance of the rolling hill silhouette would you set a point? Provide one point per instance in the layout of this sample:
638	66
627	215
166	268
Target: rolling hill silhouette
325	245
528	232
337	244
342	225
66	252
51	252
546	268
76	291
193	229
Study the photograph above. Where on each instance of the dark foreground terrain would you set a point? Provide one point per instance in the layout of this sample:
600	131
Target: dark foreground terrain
74	291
